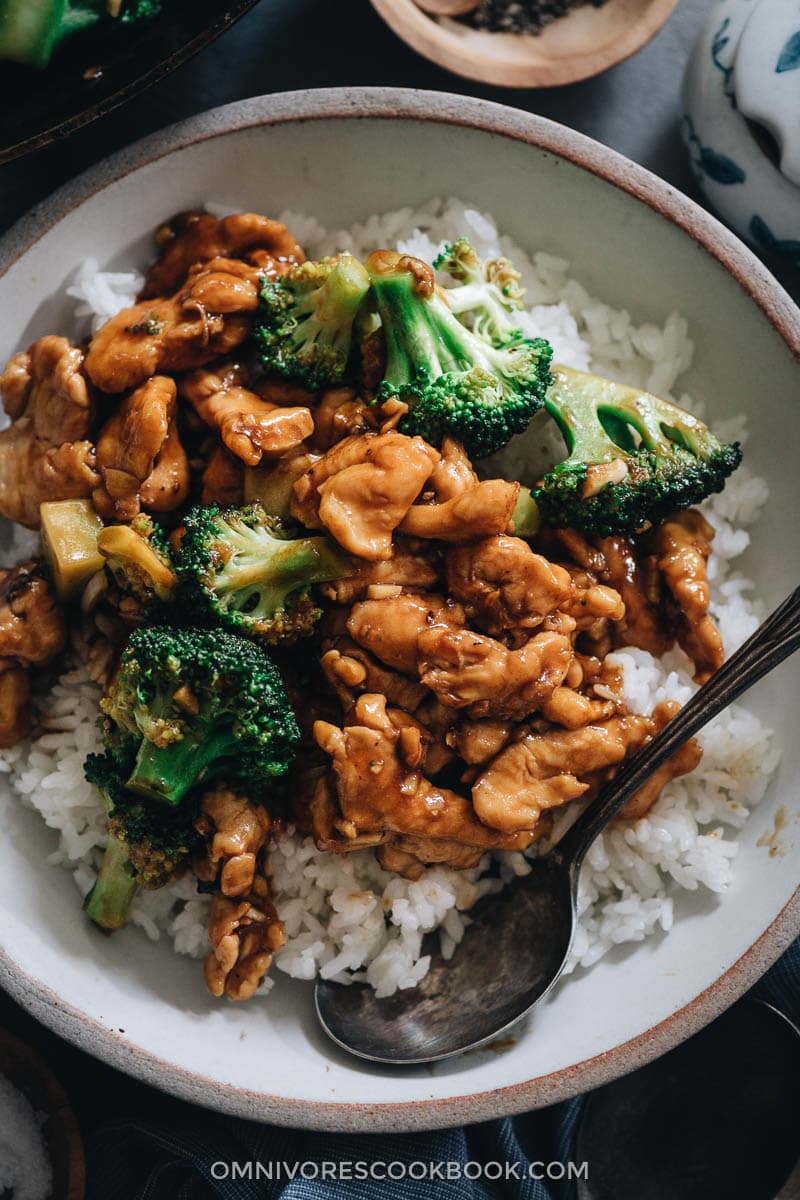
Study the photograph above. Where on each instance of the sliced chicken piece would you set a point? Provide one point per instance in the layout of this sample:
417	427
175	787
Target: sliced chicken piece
643	623
235	831
362	488
45	454
480	741
223	479
544	770
572	709
484	510
682	546
196	237
167	485
340	414
33	628
15	706
454	474
251	428
47	384
406	569
390	628
208	317
380	790
503	585
470	671
409	856
129	445
32	472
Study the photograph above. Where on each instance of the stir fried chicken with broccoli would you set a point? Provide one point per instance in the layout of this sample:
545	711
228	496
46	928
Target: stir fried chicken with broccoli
267	526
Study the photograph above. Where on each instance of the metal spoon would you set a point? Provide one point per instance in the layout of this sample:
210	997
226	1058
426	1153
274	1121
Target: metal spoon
516	946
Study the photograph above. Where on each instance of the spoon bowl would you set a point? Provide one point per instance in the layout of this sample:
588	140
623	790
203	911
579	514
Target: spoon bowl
517	943
513	952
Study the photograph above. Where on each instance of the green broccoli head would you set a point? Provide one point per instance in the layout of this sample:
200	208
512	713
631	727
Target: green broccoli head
32	30
304	329
453	379
189	705
241	567
489	291
633	458
139	558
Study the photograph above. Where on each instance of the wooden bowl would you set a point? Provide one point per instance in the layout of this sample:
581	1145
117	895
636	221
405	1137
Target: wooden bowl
583	43
27	1071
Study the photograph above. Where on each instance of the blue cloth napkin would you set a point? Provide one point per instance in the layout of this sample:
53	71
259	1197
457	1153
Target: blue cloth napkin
524	1157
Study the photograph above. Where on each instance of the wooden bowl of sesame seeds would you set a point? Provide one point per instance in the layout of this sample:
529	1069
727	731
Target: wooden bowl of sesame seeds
583	42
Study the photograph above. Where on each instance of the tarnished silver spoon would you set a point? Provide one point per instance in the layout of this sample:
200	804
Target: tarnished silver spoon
516	946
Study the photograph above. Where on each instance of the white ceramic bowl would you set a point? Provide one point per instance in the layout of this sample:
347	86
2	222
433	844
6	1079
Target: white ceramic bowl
631	238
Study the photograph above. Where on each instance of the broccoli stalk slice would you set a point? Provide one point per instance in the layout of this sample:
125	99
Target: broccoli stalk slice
453	379
660	457
167	772
111	896
305	326
526	516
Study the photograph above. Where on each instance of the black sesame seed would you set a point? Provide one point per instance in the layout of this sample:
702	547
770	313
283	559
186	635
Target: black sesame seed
522	16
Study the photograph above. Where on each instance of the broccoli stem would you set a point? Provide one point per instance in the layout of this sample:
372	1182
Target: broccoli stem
166	773
108	902
285	566
422	332
476	298
526	516
332	308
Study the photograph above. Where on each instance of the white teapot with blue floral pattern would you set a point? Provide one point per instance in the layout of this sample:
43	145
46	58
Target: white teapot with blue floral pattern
741	121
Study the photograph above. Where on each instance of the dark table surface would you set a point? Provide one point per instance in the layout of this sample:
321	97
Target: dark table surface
288	44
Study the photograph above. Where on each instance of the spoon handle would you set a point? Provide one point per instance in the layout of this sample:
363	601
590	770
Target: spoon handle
772	642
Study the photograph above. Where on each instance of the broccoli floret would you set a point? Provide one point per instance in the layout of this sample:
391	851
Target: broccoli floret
188	705
138	557
490	291
32	30
633	458
453	380
243	568
304	328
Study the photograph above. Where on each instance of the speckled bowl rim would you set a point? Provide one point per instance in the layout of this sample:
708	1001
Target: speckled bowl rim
751	275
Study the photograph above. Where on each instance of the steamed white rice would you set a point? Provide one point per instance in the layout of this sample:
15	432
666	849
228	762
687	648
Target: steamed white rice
346	917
